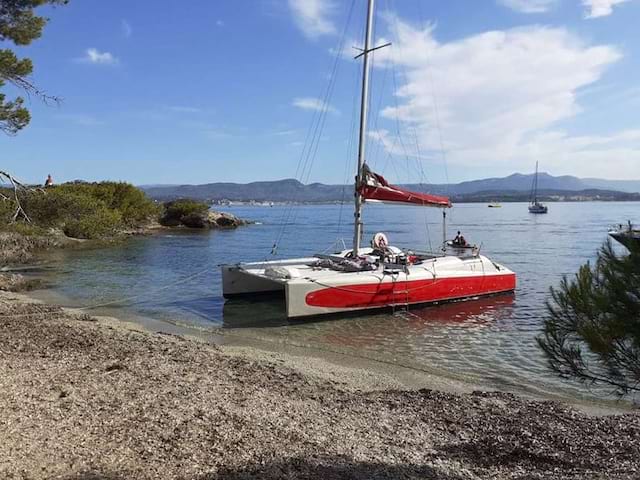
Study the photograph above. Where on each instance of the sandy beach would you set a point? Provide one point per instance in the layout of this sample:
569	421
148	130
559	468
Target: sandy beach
87	398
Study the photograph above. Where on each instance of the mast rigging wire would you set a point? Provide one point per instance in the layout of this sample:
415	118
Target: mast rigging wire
309	152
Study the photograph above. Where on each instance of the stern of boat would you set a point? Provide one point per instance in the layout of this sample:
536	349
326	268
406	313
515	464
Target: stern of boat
238	282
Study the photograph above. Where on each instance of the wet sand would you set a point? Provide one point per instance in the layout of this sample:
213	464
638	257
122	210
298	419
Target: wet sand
87	398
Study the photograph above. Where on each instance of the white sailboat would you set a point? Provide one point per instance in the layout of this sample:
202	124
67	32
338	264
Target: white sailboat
535	206
379	276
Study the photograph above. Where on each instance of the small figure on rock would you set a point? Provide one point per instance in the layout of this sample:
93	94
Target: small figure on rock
49	181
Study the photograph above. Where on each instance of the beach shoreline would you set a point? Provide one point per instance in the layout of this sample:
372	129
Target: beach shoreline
86	397
363	371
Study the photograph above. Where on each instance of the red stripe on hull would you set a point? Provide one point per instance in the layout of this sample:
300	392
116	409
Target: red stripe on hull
403	292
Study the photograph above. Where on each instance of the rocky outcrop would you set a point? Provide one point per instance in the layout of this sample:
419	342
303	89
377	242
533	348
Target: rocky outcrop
18	248
190	213
224	220
212	220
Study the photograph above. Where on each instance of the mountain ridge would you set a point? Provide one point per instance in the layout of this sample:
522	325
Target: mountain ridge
291	190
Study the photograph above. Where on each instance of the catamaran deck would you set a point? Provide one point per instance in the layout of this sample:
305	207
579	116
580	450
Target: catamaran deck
312	290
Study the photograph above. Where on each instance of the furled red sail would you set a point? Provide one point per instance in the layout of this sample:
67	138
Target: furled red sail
374	187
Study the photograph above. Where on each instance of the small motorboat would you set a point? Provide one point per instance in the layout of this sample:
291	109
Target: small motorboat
494	205
626	235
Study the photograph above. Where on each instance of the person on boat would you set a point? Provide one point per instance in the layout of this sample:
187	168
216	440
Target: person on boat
459	240
49	181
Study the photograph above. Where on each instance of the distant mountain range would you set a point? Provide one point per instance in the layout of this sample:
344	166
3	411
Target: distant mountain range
515	187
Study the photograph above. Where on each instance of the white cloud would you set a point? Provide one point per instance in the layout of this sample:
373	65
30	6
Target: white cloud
600	8
498	99
94	56
529	6
127	30
313	17
310	103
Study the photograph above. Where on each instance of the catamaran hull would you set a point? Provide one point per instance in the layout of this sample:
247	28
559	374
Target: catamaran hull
303	300
319	292
240	280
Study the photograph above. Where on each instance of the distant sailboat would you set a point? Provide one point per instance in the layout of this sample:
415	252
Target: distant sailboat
535	206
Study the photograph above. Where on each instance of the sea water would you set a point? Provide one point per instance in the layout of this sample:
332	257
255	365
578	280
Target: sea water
175	277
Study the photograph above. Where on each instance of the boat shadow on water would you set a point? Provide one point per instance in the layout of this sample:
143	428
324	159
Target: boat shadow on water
269	311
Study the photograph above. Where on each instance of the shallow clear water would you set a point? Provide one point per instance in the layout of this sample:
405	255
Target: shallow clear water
489	341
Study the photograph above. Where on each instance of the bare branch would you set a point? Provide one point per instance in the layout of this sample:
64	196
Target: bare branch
30	89
17	187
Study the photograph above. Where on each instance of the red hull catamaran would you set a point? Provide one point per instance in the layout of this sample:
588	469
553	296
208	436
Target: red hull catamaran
379	276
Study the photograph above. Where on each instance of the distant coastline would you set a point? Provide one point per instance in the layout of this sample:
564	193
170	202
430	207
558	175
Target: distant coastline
573	197
514	188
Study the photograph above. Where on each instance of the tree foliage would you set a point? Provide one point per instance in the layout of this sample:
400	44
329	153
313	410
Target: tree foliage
184	212
20	25
592	332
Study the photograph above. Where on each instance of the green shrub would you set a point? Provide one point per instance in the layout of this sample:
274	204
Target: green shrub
100	223
85	210
134	206
184	212
56	206
26	229
7	209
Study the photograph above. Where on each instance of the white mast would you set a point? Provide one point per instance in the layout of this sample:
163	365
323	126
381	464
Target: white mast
535	188
363	128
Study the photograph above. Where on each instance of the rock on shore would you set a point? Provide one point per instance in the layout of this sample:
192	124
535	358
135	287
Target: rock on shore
14	282
212	219
82	399
225	220
16	248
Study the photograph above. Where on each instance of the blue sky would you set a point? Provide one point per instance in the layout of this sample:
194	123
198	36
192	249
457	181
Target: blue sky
220	90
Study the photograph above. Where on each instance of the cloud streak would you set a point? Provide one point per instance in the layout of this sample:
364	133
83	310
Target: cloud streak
310	103
96	57
183	109
127	29
80	119
529	6
313	17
